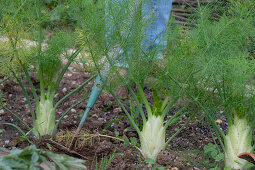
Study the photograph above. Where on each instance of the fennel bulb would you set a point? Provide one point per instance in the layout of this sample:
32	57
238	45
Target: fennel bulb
153	137
45	121
238	140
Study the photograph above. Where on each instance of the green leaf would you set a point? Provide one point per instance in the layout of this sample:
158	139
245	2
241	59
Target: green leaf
214	153
65	162
209	148
216	168
126	141
116	133
133	141
248	166
158	168
114	120
35	157
150	161
30	157
219	157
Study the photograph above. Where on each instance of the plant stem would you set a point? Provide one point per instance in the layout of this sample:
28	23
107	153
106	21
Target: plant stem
26	96
62	116
144	99
176	133
21	131
16	116
5	78
72	92
128	115
70	60
167	108
175	118
120	140
32	87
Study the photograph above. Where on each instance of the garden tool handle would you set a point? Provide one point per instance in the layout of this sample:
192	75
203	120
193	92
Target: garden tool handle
96	90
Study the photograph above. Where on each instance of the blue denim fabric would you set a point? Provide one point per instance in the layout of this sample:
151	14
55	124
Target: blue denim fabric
155	38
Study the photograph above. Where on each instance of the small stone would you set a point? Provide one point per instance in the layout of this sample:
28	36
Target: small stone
117	110
73	110
101	119
69	74
174	168
74	82
1	111
70	68
94	116
56	95
75	116
24	99
59	113
64	90
66	116
6	141
10	95
218	121
86	74
75	122
221	112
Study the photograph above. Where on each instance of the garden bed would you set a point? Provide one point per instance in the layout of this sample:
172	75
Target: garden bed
184	151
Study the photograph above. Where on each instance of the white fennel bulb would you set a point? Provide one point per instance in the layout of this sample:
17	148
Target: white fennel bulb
238	140
45	118
153	137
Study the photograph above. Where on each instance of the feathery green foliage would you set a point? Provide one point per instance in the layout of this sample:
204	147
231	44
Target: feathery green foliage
22	22
220	54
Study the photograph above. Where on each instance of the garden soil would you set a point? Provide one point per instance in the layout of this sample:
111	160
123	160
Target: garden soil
185	151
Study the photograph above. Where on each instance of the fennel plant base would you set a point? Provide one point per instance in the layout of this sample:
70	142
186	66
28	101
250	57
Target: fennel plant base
45	122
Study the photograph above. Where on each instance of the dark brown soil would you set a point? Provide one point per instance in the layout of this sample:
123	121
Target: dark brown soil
185	151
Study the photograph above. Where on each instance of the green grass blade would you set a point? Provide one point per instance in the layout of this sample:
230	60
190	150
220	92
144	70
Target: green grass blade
70	60
26	96
176	133
114	120
72	92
